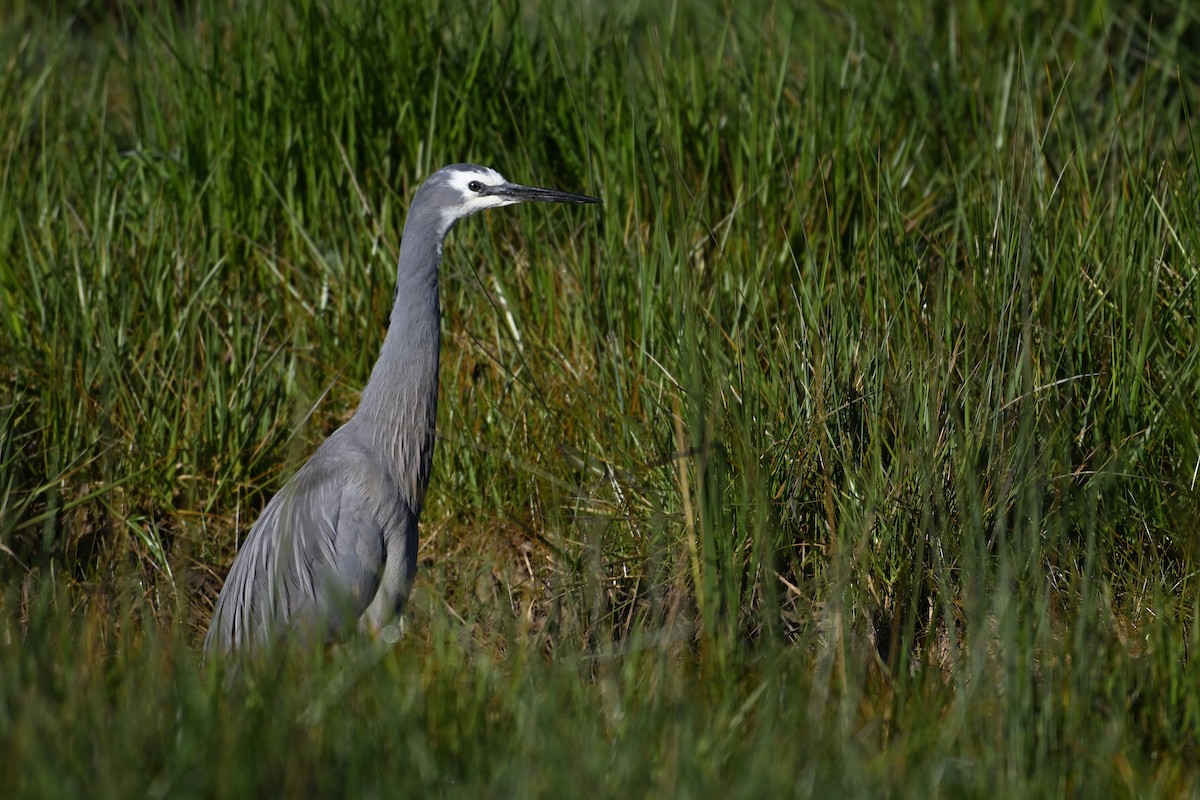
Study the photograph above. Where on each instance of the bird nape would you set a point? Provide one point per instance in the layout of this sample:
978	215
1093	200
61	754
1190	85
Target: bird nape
335	550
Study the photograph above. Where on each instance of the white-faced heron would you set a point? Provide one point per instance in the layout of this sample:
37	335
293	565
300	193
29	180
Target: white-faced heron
336	548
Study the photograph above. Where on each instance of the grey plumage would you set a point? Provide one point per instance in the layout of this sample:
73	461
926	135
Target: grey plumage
335	549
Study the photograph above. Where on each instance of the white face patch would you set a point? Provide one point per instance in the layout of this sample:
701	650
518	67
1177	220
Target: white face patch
472	201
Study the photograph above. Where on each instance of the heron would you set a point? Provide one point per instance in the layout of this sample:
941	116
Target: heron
335	550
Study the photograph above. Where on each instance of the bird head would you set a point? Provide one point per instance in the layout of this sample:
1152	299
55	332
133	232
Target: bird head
461	190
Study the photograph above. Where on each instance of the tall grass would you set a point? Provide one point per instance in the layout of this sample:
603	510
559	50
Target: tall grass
851	447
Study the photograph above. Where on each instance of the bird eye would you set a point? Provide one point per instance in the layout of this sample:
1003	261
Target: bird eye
475	186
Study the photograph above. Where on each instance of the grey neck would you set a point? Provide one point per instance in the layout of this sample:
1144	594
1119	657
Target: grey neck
398	408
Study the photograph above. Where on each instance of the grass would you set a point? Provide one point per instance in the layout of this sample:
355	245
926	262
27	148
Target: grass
850	448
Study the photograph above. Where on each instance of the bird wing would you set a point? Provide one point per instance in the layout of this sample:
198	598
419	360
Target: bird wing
312	561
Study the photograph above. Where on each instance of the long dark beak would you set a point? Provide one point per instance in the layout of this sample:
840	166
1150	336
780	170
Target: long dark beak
532	194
